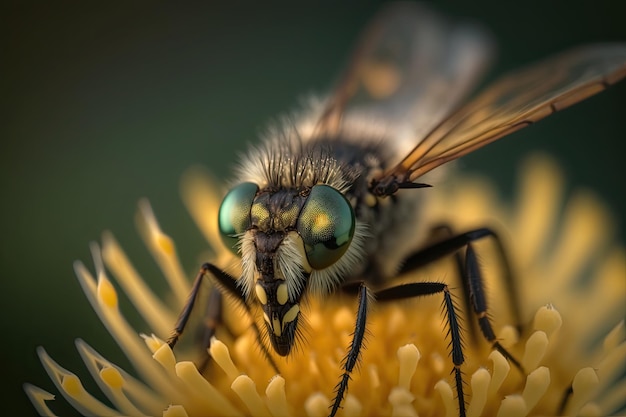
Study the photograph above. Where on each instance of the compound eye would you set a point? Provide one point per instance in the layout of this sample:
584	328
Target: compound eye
326	225
234	214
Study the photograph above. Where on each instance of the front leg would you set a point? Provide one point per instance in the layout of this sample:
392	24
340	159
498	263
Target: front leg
354	350
420	289
471	276
185	313
228	285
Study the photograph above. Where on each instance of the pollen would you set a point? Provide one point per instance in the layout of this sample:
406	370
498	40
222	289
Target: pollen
72	385
166	244
106	293
112	377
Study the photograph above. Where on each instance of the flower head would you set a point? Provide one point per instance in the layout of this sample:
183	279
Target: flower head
570	278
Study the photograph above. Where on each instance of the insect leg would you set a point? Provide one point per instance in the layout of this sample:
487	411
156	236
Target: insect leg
212	320
479	302
445	230
420	289
184	315
565	399
354	351
472	278
227	283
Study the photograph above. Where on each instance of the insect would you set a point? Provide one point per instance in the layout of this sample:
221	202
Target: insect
330	200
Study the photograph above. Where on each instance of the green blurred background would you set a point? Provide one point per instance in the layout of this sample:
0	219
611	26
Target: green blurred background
103	106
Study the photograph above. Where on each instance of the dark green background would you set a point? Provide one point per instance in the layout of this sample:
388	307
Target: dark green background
103	106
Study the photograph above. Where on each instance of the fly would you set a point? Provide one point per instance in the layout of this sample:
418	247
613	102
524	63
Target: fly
327	201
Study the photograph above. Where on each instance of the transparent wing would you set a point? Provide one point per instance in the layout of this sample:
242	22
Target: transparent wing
512	102
410	65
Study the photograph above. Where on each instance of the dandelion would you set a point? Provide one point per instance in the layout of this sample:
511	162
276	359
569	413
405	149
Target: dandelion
571	280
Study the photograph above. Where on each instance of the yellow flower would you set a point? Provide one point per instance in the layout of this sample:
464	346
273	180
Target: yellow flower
571	278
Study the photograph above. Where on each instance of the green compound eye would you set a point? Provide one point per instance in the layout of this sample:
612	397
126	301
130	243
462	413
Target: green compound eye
234	215
326	225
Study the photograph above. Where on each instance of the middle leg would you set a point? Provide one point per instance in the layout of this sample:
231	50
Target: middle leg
472	278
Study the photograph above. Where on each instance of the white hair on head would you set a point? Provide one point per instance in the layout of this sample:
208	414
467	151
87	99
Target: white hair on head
291	264
247	249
